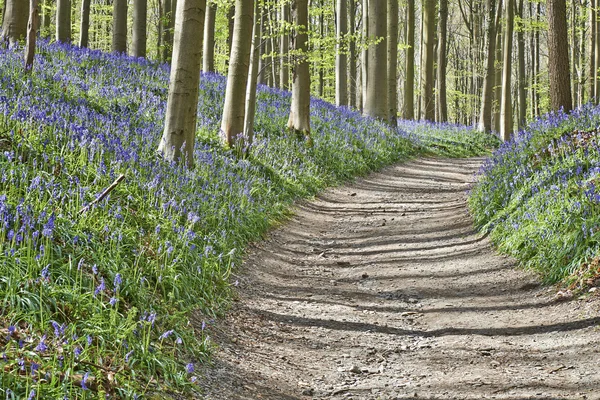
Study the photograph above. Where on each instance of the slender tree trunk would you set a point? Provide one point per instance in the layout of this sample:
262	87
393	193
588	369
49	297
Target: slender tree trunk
485	116
392	61
593	40
120	26
252	79
428	60
376	105
506	118
140	14
46	17
352	54
522	77
14	21
365	52
341	59
441	68
558	56
167	30
63	21
84	30
34	16
274	47
232	123
597	54
409	86
322	61
299	121
208	56
177	142
262	64
284	69
230	27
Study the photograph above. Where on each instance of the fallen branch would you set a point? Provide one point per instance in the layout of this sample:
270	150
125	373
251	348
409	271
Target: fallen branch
103	194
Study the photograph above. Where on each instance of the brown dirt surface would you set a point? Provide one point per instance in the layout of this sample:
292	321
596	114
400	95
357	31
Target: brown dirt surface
383	289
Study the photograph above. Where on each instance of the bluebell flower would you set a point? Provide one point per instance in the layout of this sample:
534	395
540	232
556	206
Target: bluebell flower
41	347
189	368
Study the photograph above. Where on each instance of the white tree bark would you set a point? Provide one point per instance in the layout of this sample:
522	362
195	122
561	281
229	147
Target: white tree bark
252	79
392	61
341	59
177	142
506	118
232	123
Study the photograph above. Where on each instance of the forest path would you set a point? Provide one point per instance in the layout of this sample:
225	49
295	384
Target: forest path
382	289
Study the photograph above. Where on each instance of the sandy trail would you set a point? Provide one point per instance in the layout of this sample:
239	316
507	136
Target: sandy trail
383	290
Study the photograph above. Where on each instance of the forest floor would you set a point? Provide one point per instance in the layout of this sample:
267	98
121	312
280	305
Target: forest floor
382	289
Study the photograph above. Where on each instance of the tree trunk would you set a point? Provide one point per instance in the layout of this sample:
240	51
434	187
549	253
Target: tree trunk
392	61
558	56
232	124
84	30
63	21
341	59
365	52
167	30
322	51
376	105
230	27
177	142
522	77
593	40
409	86
284	69
506	120
208	56
262	63
14	21
252	79
34	16
441	67
140	14
299	121
46	18
428	61
597	54
352	54
120	26
485	116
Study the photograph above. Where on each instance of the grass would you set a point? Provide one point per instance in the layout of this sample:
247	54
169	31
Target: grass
539	197
98	303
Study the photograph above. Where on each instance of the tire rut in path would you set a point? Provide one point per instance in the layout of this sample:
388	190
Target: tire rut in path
383	290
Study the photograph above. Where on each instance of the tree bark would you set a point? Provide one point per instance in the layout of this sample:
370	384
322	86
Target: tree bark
485	116
14	21
376	105
597	54
365	52
441	67
593	40
284	69
506	120
119	44
167	30
230	27
352	54
299	120
177	142
409	86
46	18
34	16
522	77
208	56
232	123
262	63
84	30
140	14
63	21
252	79
392	61
558	56
428	61
341	58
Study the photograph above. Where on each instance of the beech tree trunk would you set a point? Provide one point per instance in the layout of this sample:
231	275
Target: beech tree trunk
34	17
140	14
46	17
299	120
252	79
177	142
208	56
14	21
592	59
392	61
376	105
232	123
262	64
119	44
441	67
428	99
522	78
85	24
558	56
409	88
284	69
352	54
341	59
485	115
506	118
63	21
167	29
365	52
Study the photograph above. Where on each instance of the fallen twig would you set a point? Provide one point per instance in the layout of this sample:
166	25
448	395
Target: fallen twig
103	194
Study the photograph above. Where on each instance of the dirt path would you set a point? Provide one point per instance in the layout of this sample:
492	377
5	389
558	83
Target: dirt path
383	290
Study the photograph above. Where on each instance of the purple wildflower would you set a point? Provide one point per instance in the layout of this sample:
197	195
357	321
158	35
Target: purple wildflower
84	381
41	347
31	394
189	368
166	334
118	281
112	301
100	288
46	273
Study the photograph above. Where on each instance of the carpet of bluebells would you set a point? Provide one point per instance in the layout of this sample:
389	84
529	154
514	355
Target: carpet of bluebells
539	196
118	300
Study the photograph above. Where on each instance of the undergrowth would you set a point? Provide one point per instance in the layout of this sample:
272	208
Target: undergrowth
539	197
98	302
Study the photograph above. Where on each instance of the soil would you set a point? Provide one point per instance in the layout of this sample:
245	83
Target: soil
383	289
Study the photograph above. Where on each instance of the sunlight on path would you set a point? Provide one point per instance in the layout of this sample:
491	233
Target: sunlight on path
383	290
